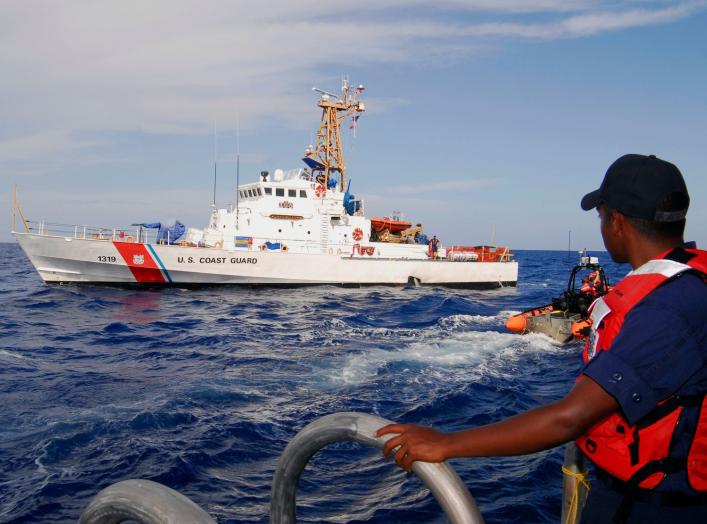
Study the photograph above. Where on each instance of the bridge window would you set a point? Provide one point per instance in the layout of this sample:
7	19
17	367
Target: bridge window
291	192
268	191
303	193
258	190
279	192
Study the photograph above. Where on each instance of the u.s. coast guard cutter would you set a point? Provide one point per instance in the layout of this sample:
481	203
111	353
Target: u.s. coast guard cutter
300	227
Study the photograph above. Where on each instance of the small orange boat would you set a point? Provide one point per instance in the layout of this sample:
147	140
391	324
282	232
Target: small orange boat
393	226
567	317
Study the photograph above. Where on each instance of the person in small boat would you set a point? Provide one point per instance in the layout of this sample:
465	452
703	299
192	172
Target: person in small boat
638	409
591	284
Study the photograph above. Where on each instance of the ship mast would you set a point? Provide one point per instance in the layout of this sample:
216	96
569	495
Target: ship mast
327	157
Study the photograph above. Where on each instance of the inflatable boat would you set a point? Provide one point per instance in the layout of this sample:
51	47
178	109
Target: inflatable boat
566	318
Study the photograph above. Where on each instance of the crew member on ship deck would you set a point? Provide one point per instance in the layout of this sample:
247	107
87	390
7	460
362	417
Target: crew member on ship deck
638	409
434	246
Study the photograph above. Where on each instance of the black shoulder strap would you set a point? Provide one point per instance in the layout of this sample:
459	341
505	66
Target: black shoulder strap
680	255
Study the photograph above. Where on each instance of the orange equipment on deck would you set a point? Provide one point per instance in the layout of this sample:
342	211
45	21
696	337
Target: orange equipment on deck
393	226
479	253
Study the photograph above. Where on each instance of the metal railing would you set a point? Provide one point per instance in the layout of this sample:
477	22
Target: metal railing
86	232
152	503
444	483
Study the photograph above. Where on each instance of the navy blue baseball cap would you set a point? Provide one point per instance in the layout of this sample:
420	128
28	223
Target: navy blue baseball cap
636	185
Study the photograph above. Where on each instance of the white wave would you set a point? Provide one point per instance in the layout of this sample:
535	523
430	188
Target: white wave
445	357
336	329
11	354
456	321
40	467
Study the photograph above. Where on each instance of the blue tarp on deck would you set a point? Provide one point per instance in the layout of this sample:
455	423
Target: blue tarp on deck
168	232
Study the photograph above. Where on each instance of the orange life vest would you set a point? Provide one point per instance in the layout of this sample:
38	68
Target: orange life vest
640	454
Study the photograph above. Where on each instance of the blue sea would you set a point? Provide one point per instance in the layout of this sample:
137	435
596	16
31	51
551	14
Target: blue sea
202	389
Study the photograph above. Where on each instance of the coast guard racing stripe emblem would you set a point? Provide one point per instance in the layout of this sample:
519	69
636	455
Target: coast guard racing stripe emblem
141	264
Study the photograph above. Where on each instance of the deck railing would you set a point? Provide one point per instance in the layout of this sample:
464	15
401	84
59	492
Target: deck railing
86	232
149	236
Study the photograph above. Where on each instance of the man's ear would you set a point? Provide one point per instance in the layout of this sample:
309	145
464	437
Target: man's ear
620	224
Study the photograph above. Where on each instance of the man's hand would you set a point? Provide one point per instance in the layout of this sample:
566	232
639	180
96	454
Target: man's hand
414	443
535	430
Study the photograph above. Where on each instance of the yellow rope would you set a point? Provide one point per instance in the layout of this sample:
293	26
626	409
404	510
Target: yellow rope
581	479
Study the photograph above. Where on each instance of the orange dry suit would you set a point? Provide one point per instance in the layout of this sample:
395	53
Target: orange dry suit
591	284
640	454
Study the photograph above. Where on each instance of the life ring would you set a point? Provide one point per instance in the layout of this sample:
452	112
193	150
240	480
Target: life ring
128	238
320	191
218	244
357	234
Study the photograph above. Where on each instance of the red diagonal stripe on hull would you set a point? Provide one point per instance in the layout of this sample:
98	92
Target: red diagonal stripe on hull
138	259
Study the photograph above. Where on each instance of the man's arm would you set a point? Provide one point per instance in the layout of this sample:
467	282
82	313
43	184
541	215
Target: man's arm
535	430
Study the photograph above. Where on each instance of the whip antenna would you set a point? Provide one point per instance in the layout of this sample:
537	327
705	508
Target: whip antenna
215	152
238	165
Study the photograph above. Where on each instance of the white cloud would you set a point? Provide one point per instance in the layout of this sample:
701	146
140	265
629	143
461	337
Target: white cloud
27	146
40	144
175	66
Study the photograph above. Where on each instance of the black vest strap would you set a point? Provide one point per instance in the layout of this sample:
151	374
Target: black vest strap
663	410
632	493
667	407
680	255
666	465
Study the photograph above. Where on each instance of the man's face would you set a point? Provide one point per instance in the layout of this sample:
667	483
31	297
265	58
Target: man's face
610	235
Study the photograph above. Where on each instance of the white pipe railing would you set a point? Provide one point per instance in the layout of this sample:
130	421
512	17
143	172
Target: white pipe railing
85	232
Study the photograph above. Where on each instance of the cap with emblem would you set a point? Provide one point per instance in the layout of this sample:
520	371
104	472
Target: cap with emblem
636	185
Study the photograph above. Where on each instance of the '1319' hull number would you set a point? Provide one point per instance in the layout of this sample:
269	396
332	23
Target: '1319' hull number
102	258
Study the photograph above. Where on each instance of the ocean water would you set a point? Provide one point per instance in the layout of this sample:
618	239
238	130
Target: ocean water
202	389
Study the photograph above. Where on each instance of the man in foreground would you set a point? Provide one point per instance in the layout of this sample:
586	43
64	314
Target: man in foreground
638	409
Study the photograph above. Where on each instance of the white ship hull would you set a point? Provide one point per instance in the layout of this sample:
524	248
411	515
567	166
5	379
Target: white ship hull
65	259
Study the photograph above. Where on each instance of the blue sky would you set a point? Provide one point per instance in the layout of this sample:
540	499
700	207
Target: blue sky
485	117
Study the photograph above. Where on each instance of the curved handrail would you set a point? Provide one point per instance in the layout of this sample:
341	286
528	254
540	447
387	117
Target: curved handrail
142	501
441	479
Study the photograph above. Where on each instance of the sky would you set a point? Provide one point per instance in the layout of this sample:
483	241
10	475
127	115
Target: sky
486	121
